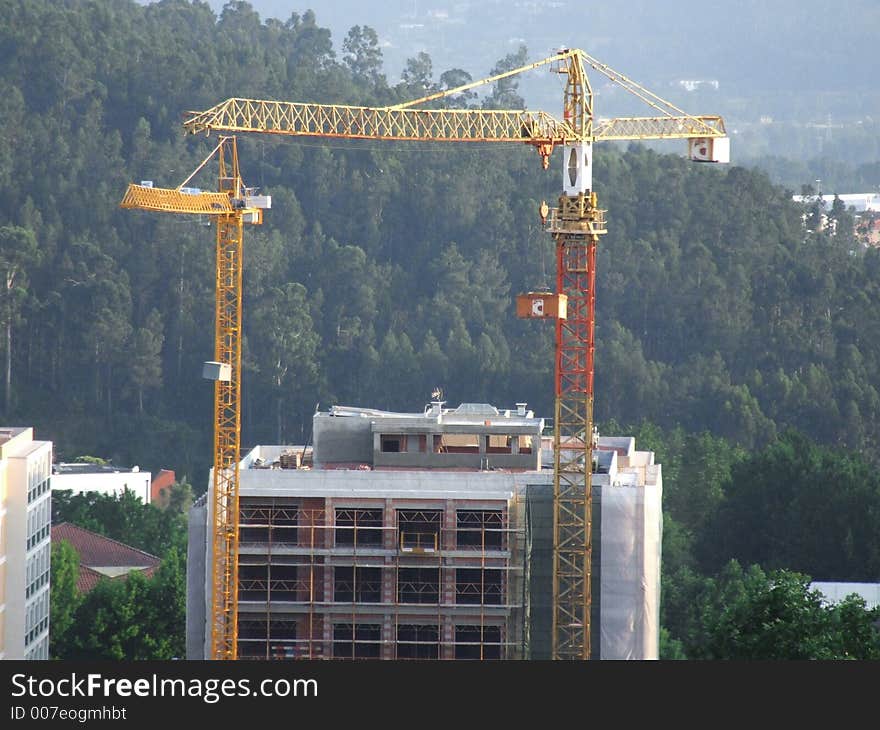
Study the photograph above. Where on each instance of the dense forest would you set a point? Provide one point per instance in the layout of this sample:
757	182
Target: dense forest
382	270
385	270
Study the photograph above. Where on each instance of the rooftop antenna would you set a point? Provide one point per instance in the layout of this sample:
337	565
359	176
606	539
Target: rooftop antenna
436	406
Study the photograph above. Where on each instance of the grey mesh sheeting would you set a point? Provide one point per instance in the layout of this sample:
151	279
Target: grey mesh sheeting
631	522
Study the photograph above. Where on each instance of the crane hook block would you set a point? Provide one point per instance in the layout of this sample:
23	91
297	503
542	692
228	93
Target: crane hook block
544	211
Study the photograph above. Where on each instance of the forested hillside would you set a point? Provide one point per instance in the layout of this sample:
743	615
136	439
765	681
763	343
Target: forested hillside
385	270
382	270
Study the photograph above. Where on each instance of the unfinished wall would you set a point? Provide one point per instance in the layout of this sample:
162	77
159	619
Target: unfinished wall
196	580
342	439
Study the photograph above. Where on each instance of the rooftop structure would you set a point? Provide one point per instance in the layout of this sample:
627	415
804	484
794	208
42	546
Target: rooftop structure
427	535
102	479
472	436
160	487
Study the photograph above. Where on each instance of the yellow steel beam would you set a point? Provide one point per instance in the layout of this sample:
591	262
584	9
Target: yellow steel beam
356	122
227	411
678	127
437	125
227	435
167	200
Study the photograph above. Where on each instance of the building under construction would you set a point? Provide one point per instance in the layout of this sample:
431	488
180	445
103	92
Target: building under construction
427	536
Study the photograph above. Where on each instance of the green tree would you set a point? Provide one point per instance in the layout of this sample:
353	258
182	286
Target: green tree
146	362
289	344
64	598
18	254
670	648
167	615
749	614
417	76
124	518
504	93
800	506
362	54
452	79
181	497
132	617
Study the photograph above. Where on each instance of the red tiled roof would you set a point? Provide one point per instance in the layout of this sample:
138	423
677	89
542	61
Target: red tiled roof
88	578
164	479
98	551
102	552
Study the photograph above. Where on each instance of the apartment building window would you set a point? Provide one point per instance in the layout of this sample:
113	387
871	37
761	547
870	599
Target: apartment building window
265	523
479	529
419	530
392	443
37	489
474	586
357	641
269	638
357	585
418	641
478	642
267	582
418	585
38	536
358	527
458	443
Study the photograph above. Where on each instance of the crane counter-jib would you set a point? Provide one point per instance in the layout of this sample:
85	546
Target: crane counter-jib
180	200
174	200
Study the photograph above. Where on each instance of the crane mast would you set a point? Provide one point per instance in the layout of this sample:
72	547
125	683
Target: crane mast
227	416
575	226
576	223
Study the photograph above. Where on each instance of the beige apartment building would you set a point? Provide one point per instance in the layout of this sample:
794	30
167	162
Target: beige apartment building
25	544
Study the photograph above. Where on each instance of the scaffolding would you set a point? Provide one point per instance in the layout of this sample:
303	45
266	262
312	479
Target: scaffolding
381	579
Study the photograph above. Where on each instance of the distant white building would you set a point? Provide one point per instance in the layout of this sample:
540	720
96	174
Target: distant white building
859	202
836	592
103	479
694	84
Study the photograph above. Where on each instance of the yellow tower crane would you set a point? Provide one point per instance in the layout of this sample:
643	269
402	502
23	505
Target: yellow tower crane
575	223
231	207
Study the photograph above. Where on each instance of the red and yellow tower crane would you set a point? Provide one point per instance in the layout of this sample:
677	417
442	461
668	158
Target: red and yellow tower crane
575	223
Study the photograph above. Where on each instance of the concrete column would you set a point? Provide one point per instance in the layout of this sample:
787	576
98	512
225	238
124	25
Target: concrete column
329	540
447	532
447	637
389	537
329	521
328	636
389	639
389	579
